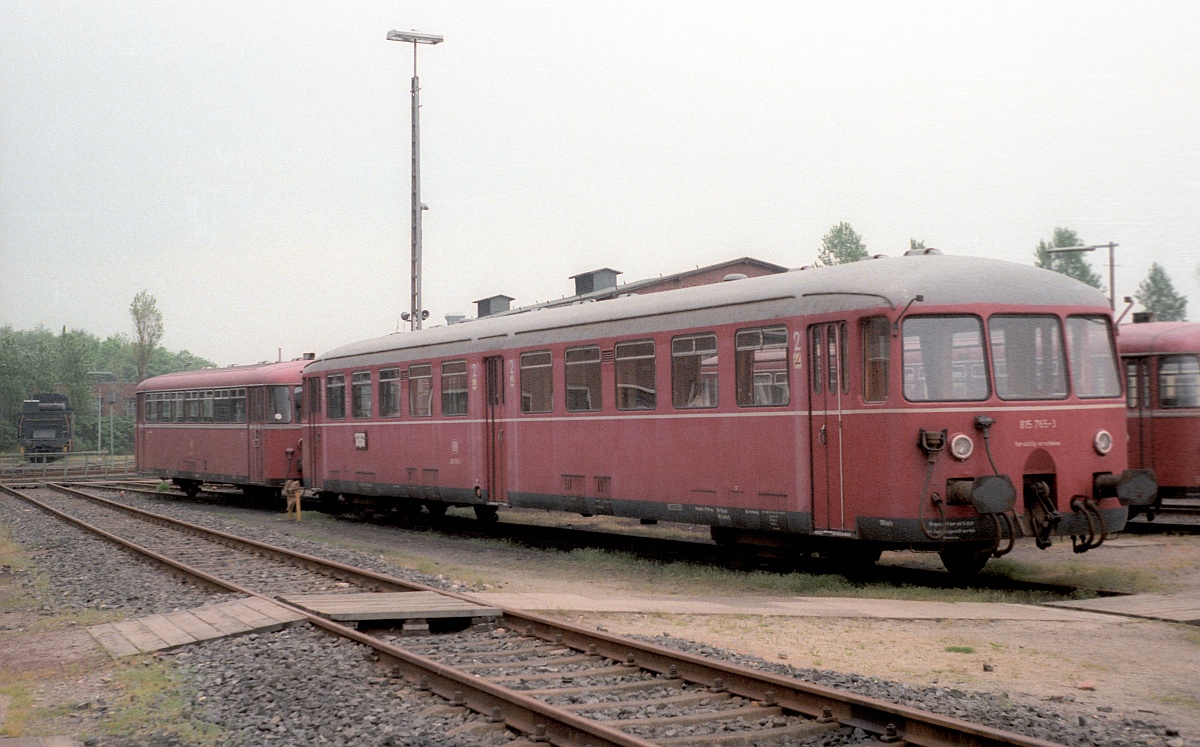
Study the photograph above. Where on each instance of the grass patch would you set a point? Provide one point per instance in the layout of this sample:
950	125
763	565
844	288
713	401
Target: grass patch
1126	578
688	578
82	618
960	649
152	704
18	707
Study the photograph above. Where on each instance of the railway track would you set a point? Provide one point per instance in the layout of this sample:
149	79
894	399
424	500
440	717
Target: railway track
552	681
1176	516
666	550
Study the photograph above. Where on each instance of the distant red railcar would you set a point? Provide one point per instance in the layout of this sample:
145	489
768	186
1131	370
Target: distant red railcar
239	425
928	402
1162	373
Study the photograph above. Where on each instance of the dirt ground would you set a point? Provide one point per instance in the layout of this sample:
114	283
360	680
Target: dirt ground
1139	668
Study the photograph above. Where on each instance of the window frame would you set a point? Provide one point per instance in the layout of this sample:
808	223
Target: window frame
746	361
462	400
636	383
540	374
424	373
335	404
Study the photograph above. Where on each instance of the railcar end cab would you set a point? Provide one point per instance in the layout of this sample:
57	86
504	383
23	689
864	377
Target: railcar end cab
240	425
1162	370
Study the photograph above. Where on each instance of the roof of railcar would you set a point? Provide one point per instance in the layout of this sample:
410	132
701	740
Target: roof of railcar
258	374
1159	337
886	282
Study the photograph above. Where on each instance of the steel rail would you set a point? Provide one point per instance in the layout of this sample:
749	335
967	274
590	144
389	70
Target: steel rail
520	711
892	721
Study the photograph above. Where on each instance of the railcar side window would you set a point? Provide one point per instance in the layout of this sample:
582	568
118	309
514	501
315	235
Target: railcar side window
335	395
694	371
360	394
537	383
583	379
1028	355
635	373
420	391
1179	381
454	388
815	357
297	402
206	406
760	363
1093	357
389	392
876	354
943	359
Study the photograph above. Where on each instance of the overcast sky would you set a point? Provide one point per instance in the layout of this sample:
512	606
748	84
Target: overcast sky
247	162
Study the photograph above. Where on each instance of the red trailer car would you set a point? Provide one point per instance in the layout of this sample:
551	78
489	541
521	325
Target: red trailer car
1162	370
936	403
239	425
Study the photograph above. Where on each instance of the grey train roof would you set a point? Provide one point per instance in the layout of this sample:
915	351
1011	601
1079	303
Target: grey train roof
886	283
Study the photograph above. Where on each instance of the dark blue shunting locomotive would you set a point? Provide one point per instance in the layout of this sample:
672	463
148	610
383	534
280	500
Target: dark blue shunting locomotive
46	430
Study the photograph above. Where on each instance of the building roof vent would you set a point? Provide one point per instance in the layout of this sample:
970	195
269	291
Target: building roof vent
492	305
455	318
596	280
733	276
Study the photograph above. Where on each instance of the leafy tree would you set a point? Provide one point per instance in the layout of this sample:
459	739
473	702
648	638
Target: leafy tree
147	329
1071	264
1156	293
841	245
38	360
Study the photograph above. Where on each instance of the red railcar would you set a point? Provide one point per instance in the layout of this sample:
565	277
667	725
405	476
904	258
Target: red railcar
1162	373
239	425
928	402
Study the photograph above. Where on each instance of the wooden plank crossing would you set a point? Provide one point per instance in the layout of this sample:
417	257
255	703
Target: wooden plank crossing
175	629
1184	608
403	605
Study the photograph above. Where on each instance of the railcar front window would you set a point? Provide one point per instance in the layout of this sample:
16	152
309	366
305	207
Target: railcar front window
1178	381
583	379
238	401
279	404
1093	357
761	367
420	391
694	371
360	394
335	395
635	372
389	392
537	383
454	388
943	359
1028	354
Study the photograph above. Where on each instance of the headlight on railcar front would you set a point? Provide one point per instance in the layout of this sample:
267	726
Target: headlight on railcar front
1103	442
961	446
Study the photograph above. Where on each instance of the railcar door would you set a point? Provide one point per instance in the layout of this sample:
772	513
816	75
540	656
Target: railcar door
256	406
1139	420
829	381
313	448
497	484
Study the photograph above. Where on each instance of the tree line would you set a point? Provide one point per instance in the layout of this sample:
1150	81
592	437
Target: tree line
1156	293
72	361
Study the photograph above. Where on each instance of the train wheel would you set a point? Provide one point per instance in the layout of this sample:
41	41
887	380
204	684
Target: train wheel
438	510
964	561
487	513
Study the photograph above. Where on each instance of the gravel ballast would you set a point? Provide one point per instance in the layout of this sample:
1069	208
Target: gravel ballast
303	687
